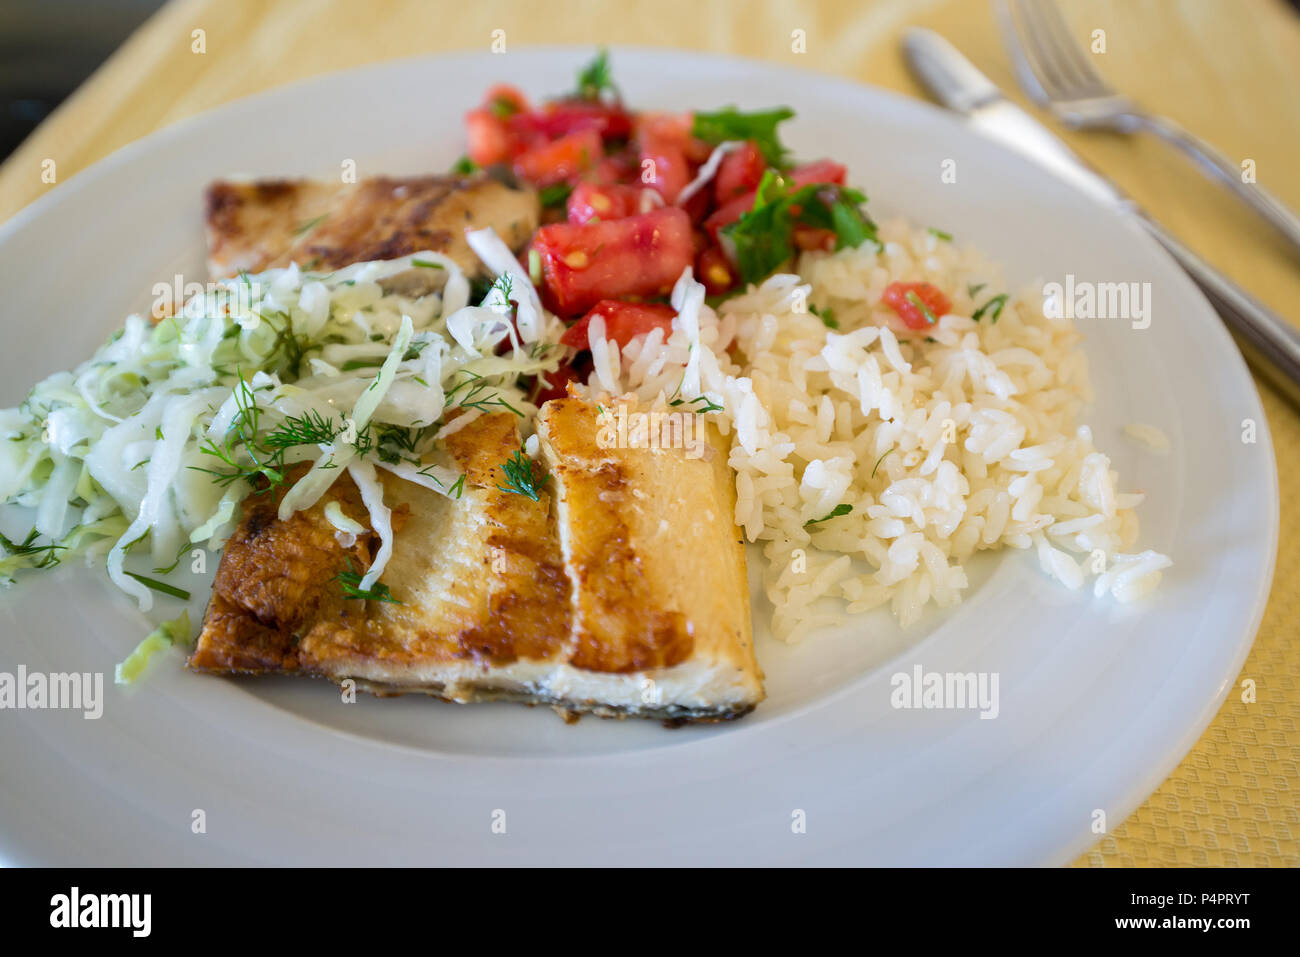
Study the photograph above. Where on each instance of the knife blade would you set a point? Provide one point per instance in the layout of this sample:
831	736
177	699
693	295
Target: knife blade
1268	341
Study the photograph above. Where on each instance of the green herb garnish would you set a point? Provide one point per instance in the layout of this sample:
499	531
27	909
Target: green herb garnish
917	301
836	512
465	166
827	316
37	556
878	461
163	587
553	197
520	477
350	581
310	224
730	124
595	78
996	303
940	234
764	236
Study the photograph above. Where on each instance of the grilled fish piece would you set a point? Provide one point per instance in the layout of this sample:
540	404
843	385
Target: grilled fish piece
258	225
579	600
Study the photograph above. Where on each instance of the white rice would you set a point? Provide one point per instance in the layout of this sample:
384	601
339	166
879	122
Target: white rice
942	449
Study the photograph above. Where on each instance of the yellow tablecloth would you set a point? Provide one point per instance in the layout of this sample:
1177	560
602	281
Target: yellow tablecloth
1228	70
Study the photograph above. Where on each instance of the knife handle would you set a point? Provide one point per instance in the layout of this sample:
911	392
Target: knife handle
1269	342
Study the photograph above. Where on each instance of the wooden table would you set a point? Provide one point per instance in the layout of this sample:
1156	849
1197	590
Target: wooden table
1228	70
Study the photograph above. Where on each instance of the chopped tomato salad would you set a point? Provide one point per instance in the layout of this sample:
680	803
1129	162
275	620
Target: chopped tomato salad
632	199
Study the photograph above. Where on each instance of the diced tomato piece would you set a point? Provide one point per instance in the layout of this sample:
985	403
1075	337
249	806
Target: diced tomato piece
662	141
727	214
820	171
554	385
504	100
624	321
489	138
714	270
898	296
740	172
594	201
554	162
812	237
641	255
563	117
497	130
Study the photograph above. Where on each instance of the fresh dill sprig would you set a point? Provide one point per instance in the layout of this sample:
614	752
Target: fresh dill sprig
708	406
459	488
879	460
29	549
520	477
476	395
350	582
310	224
243	431
163	587
309	429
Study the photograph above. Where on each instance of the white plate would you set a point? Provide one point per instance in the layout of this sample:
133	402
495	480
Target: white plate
1098	702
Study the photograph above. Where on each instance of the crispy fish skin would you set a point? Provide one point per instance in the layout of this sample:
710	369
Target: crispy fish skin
490	596
258	225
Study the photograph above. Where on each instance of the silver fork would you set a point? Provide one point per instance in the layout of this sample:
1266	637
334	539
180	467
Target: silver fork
1057	74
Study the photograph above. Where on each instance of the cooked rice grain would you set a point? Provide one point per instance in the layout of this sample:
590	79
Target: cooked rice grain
943	448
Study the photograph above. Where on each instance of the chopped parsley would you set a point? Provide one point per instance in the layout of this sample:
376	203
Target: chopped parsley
996	304
827	316
836	512
595	79
764	236
730	124
940	234
553	197
465	166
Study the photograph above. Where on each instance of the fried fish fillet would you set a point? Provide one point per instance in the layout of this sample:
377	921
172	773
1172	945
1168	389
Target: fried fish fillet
253	226
582	599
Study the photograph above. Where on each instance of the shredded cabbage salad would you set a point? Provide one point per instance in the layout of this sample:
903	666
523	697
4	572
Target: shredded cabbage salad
151	444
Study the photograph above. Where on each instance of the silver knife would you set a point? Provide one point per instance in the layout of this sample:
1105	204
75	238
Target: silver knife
1270	343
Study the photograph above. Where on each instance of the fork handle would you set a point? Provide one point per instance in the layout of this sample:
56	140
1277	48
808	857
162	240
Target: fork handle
1269	342
1221	168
